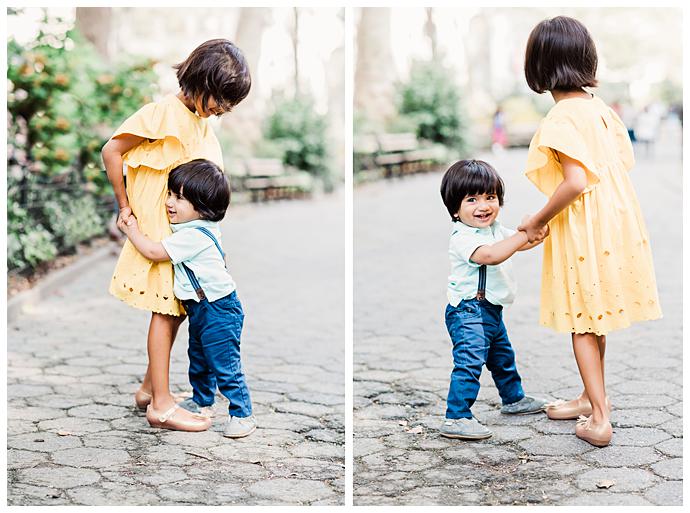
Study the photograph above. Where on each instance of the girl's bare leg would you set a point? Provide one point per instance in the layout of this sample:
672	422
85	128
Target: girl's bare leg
601	343
162	331
588	354
146	383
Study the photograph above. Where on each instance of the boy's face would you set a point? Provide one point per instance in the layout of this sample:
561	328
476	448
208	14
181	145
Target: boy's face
479	210
179	209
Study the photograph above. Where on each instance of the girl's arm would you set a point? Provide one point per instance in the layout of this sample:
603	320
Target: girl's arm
152	250
494	254
542	236
112	158
574	182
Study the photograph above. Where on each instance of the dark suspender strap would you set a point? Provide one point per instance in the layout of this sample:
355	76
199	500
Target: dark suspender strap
195	283
207	232
481	287
190	274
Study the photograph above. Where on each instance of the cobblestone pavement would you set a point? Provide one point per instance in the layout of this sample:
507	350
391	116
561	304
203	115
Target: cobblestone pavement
76	359
403	361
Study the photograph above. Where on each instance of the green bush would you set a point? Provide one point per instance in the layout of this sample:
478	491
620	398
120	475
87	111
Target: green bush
27	243
431	103
63	103
296	132
73	220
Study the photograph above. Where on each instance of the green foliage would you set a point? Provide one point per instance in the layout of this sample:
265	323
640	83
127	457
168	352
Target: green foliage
63	103
296	132
72	220
431	103
27	243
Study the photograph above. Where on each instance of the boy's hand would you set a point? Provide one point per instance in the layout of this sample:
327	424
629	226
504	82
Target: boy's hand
127	225
535	232
124	214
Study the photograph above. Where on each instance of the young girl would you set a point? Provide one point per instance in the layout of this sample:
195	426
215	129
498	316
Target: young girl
155	139
598	274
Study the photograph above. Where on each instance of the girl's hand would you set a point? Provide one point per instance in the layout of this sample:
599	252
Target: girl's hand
535	232
124	215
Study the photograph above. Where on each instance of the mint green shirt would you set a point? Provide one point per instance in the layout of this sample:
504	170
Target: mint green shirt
198	251
464	273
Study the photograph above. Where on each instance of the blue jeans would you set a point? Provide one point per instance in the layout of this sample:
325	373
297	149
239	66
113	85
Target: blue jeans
214	353
479	337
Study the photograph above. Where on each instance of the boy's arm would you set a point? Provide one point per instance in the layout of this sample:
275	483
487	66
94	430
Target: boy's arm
494	254
152	250
112	159
530	245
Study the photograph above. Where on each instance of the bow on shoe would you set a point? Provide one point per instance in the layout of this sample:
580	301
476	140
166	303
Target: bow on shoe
583	421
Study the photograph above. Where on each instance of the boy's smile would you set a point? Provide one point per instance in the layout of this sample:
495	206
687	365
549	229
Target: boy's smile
479	210
179	209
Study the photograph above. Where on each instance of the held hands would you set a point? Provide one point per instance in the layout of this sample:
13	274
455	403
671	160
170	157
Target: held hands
124	215
535	232
127	223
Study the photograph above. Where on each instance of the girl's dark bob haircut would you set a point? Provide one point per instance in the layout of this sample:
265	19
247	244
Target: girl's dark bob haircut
560	55
466	178
204	185
215	68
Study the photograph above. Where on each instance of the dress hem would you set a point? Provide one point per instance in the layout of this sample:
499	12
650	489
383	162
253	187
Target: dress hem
148	309
599	333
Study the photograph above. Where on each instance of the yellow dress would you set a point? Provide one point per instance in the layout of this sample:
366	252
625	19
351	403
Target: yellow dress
173	135
597	273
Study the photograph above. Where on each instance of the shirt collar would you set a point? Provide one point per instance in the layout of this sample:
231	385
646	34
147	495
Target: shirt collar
460	227
192	224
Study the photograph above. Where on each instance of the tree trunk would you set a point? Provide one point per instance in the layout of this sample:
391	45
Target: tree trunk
94	24
244	123
430	31
295	47
375	71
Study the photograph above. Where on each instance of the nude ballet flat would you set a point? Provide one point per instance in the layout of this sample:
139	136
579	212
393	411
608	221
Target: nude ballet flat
560	410
598	436
177	419
143	399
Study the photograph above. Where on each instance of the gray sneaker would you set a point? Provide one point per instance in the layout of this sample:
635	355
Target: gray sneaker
467	429
205	411
237	427
524	406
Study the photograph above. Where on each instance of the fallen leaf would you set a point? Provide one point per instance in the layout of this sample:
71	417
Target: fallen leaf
402	422
416	430
64	433
605	483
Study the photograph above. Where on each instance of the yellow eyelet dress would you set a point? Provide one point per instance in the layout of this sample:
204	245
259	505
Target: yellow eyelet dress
597	273
174	135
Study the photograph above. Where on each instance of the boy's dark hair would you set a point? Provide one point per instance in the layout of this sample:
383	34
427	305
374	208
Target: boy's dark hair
468	177
204	185
560	55
215	68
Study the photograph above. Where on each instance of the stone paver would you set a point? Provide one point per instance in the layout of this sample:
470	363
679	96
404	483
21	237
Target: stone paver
75	359
402	358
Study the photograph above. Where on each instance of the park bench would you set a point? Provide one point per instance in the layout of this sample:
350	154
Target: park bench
268	179
396	154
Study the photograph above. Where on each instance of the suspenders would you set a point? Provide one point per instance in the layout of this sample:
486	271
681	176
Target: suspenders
190	274
481	286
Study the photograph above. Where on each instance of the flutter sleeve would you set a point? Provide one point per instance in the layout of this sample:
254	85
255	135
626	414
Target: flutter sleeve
543	167
162	147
